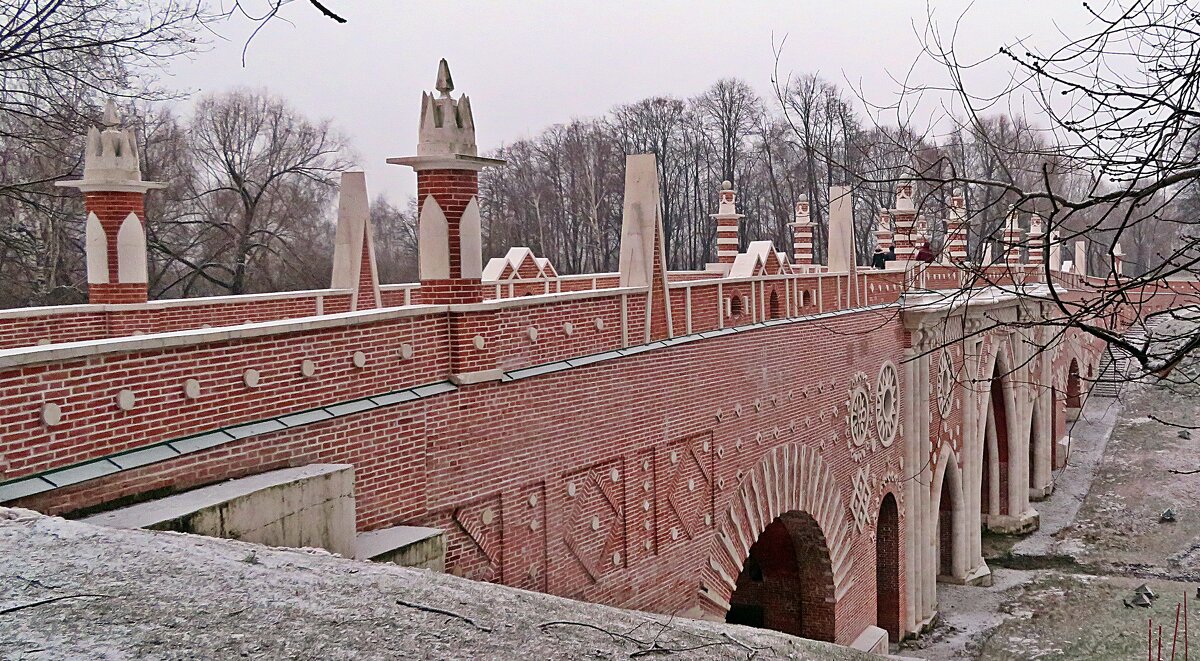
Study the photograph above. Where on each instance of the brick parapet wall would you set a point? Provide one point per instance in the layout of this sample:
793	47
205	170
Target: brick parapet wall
93	425
689	421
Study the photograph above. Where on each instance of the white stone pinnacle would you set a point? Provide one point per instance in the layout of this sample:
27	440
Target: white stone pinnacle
444	84
112	119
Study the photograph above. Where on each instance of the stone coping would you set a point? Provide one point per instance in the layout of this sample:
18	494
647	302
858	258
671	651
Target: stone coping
19	356
142	515
86	308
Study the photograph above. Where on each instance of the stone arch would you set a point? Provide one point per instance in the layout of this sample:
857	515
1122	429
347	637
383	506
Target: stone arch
773	310
790	479
785	584
1000	433
1041	442
949	516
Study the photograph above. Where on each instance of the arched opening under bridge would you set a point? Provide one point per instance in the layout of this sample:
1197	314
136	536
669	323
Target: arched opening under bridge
786	583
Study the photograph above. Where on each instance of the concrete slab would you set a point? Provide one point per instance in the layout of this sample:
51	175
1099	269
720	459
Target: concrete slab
408	546
308	506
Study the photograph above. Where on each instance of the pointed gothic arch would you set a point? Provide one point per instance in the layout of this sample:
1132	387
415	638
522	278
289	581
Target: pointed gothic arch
950	517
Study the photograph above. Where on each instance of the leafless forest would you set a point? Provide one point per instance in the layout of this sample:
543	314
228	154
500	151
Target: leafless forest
253	180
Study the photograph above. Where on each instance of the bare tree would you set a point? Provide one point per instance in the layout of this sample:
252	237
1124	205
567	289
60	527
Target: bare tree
1113	165
263	175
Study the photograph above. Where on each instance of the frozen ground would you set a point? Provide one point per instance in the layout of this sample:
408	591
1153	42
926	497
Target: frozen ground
69	590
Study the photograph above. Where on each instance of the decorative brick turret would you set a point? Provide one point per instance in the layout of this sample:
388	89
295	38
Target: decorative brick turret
1012	239
727	219
1036	234
883	230
905	216
114	198
449	227
956	229
802	234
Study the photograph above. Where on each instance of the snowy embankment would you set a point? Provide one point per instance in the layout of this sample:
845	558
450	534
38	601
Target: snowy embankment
73	590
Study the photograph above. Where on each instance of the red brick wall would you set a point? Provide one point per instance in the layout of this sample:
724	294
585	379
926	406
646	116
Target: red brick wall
494	446
66	325
111	209
453	190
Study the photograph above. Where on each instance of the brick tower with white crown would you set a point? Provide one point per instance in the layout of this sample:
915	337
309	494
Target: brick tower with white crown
449	232
114	199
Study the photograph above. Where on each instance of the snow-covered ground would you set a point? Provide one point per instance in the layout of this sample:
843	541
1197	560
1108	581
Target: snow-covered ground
70	590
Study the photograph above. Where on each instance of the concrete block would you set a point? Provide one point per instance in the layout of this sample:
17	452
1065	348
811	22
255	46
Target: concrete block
308	506
408	546
873	640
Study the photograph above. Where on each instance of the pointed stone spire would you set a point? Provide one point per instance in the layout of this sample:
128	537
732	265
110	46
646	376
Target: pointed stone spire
447	126
112	119
444	84
449	227
354	244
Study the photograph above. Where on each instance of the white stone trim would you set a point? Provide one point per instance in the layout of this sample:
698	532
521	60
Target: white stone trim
433	241
96	249
131	251
19	356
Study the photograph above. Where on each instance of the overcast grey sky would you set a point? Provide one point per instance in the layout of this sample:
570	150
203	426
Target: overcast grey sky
529	64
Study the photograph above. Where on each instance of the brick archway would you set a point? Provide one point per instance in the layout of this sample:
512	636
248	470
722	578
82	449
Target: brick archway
790	480
785	582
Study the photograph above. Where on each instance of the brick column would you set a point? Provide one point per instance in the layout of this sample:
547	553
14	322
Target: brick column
802	234
449	228
111	209
114	198
727	219
1036	254
956	229
453	190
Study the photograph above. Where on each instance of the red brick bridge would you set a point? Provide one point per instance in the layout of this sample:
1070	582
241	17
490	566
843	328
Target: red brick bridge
804	447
